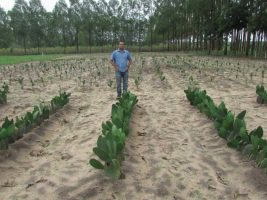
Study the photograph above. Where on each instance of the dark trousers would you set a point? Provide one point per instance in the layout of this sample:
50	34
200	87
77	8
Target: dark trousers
121	76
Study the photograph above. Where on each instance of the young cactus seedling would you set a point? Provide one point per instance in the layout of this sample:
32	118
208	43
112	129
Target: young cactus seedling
32	83
110	82
262	94
251	76
137	81
42	80
20	80
5	88
3	94
162	78
262	76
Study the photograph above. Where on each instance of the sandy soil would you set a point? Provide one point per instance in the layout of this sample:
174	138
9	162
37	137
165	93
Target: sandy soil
173	152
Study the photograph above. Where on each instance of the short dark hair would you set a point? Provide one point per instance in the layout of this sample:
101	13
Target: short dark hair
122	39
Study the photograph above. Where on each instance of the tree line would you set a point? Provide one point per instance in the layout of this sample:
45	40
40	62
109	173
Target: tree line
227	26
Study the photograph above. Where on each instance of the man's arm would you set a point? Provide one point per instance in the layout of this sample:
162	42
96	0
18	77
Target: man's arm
129	60
114	65
129	64
112	61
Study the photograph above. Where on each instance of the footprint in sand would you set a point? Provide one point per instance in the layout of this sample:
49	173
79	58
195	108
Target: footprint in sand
69	140
38	153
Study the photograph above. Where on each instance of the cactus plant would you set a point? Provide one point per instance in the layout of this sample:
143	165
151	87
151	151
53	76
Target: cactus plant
111	143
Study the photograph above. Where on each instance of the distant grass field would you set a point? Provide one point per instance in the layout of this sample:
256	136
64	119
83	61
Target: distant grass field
9	60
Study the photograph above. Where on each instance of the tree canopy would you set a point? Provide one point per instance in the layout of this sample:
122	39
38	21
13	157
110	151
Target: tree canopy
236	25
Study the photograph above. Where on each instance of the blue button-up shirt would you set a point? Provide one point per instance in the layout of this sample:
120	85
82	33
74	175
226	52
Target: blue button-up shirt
121	59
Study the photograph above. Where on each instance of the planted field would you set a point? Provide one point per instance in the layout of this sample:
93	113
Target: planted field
172	150
9	60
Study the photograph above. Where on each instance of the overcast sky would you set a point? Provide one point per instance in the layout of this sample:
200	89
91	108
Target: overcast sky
48	4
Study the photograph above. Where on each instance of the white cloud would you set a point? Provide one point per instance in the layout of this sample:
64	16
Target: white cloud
7	4
48	4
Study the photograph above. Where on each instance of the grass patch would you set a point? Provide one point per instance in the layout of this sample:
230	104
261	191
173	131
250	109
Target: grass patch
9	60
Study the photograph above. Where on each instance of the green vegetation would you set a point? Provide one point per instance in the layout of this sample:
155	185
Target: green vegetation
3	94
228	27
232	129
111	143
9	60
137	81
158	70
13	130
110	82
72	50
262	94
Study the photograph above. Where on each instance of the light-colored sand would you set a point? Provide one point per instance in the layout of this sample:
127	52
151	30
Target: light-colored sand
173	152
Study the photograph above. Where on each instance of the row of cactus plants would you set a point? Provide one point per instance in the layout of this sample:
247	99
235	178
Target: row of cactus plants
3	93
13	130
262	94
111	143
230	127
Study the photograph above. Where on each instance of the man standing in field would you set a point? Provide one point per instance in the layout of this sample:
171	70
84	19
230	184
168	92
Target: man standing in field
121	61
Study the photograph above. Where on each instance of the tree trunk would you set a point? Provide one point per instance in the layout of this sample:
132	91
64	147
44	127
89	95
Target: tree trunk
261	43
77	40
151	38
236	42
163	42
173	37
232	40
198	33
168	38
258	43
205	43
243	41
64	41
89	39
38	46
102	40
181	40
248	43
253	44
225	45
210	44
24	45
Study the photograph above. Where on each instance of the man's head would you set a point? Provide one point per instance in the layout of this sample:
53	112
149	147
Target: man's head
121	45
